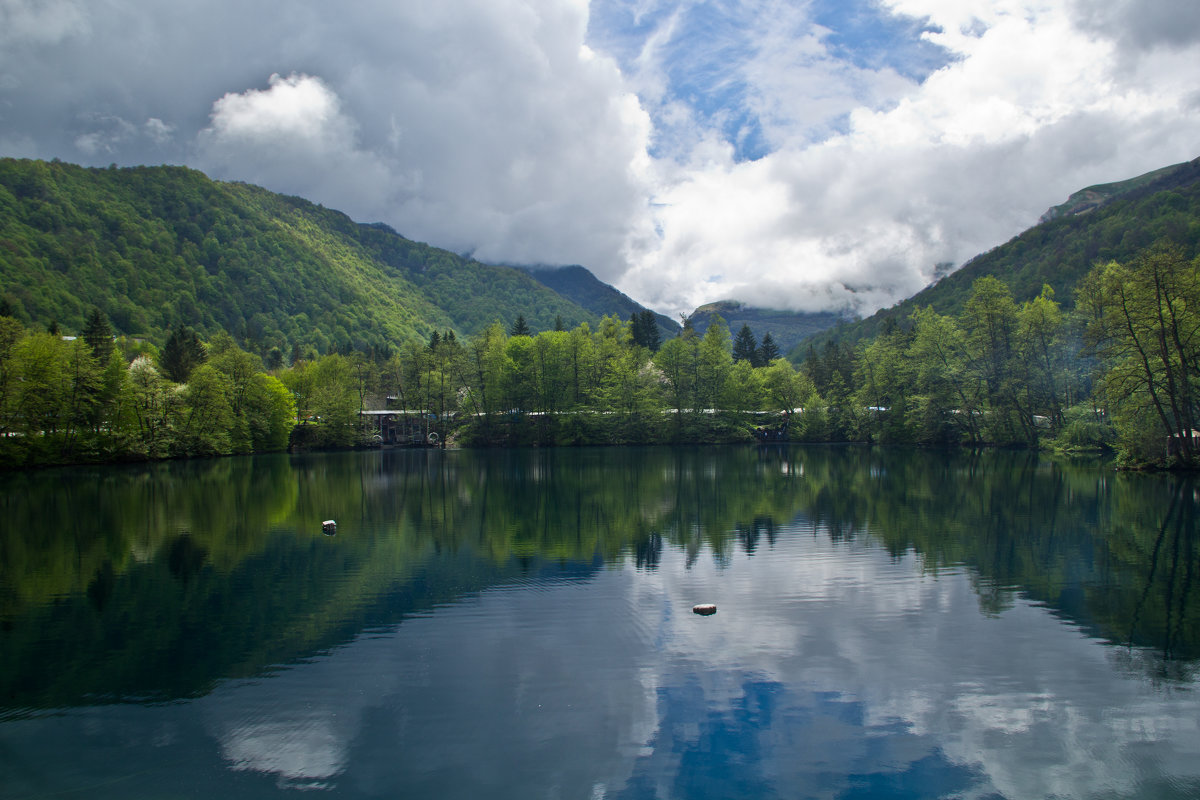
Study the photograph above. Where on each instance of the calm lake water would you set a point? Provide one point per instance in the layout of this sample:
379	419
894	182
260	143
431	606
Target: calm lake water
517	624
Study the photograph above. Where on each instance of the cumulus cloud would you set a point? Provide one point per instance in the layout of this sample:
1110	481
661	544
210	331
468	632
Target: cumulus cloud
1027	108
266	135
807	155
1145	24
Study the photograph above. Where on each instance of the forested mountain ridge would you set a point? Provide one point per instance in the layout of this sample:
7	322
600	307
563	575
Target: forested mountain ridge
159	247
579	285
787	328
1058	252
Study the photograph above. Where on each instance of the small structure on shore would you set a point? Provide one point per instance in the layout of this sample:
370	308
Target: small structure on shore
772	433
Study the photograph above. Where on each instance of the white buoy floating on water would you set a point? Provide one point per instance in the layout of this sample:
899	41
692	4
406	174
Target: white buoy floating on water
329	527
705	609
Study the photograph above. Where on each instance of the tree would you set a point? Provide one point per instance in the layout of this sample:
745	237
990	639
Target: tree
552	369
768	351
745	346
835	357
1041	358
274	414
677	361
181	354
644	327
444	364
713	364
206	418
520	327
989	321
335	400
299	380
485	365
98	333
1143	321
786	389
81	391
40	365
946	405
743	387
11	332
885	379
237	368
151	405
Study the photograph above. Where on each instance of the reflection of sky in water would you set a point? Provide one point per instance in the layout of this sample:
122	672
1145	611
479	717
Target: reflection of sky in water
830	670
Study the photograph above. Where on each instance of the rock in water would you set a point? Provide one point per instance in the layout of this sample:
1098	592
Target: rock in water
329	527
705	609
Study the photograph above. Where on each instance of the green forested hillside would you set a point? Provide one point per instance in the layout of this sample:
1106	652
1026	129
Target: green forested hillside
1059	252
159	247
579	285
787	328
1093	197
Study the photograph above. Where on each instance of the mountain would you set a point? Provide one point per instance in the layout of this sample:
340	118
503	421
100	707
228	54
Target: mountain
787	328
1122	219
1093	197
580	286
157	247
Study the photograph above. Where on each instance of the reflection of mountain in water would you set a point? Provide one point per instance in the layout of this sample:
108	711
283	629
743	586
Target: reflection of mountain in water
158	582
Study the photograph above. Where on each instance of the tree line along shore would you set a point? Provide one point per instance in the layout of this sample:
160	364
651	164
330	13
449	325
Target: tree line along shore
1119	371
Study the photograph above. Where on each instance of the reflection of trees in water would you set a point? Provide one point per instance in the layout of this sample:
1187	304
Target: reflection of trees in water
223	569
1115	553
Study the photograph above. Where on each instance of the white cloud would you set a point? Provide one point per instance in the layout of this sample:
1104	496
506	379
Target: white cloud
105	134
1031	109
615	133
158	130
40	21
492	130
294	136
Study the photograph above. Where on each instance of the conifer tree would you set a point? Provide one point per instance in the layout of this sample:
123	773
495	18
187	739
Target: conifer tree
182	353
644	328
768	351
745	346
520	327
98	333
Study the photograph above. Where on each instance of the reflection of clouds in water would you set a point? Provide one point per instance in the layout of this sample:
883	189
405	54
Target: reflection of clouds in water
504	691
299	751
830	668
1019	697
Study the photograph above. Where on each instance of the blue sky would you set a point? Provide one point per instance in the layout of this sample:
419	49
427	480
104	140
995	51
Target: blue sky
703	58
787	153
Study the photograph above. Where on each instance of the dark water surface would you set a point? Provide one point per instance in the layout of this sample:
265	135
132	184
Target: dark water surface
517	624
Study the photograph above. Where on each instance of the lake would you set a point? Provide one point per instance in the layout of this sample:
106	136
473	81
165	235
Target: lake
518	624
